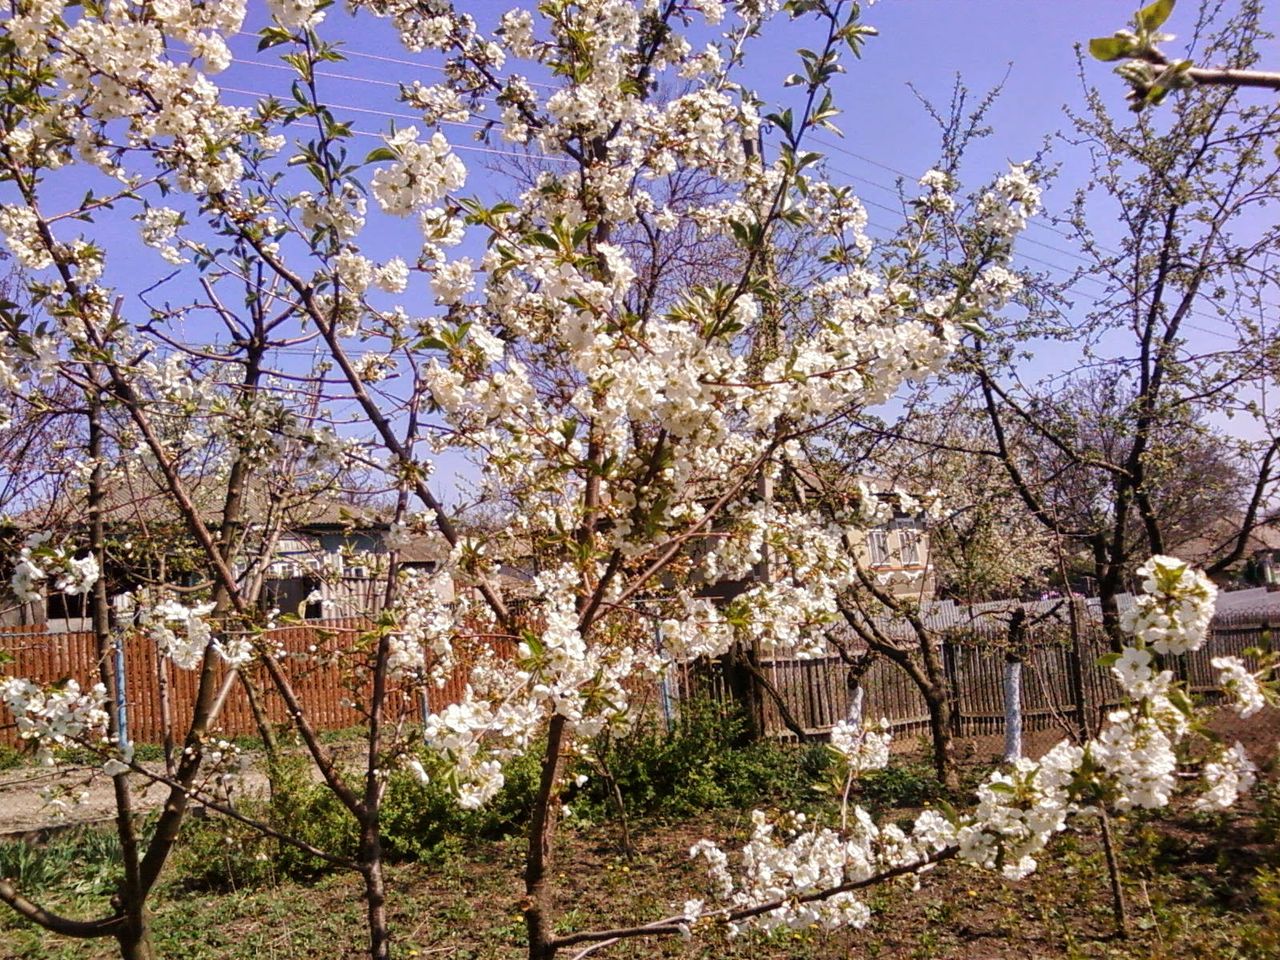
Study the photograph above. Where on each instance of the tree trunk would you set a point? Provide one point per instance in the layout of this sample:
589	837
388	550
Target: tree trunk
270	745
375	891
745	688
941	719
937	694
135	939
855	705
1110	586
1012	709
1013	657
539	915
131	896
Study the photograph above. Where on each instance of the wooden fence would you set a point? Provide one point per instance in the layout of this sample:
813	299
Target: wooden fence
323	660
325	664
817	694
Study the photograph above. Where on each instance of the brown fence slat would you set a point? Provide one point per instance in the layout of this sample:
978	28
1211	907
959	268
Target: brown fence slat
814	690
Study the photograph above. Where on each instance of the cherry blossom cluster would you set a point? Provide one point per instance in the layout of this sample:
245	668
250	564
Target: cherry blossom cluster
422	638
1173	612
507	702
1244	689
56	717
40	564
861	749
795	862
185	634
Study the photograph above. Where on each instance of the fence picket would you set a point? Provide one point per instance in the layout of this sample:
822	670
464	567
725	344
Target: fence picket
814	690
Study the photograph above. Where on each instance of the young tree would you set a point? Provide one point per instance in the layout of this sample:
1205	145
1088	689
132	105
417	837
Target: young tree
629	423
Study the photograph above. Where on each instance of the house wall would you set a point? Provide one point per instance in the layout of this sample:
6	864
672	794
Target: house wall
905	578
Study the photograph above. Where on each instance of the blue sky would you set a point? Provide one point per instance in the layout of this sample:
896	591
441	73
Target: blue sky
1027	44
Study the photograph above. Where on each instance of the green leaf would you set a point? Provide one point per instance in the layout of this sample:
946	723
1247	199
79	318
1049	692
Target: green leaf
546	240
1110	48
948	811
380	153
1153	15
1180	700
1109	659
272	37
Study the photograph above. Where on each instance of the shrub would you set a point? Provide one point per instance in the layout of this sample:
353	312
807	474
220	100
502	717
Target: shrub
419	821
219	853
901	784
422	821
700	764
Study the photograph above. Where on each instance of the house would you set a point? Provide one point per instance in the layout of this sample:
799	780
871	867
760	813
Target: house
327	558
895	550
1259	565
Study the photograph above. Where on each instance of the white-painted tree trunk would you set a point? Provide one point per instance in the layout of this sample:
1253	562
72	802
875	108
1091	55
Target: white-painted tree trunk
1012	710
855	707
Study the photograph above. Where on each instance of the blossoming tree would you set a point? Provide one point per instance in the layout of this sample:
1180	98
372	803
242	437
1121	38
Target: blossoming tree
626	416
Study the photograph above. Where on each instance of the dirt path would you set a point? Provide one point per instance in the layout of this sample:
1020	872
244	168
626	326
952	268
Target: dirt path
26	809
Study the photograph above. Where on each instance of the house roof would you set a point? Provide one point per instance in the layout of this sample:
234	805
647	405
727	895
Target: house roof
144	500
1221	537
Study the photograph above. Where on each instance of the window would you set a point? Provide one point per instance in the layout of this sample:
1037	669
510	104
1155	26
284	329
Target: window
909	540
878	547
64	606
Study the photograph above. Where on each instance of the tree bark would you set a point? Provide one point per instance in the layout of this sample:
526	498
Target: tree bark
375	890
134	936
941	720
938	695
1012	709
539	908
1014	654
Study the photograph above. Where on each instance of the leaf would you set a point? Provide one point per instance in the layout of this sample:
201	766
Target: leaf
948	811
272	37
1110	48
1180	700
380	153
1153	15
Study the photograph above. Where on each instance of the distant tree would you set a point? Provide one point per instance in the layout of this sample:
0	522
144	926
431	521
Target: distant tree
1118	456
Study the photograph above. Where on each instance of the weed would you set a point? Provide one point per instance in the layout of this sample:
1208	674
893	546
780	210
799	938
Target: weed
84	862
901	784
702	763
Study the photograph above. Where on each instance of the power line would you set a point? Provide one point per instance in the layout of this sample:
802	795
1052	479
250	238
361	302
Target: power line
1055	266
325	75
509	154
850	175
907	176
397	61
1039	224
821	141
